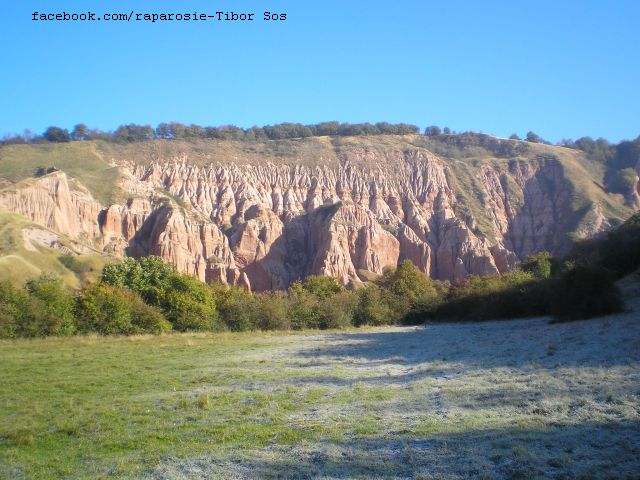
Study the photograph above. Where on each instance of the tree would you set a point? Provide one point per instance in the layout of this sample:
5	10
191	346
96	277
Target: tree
514	136
149	276
372	309
13	303
533	138
432	131
585	292
12	139
79	132
104	309
327	128
624	181
446	131
321	286
133	133
57	134
407	282
236	306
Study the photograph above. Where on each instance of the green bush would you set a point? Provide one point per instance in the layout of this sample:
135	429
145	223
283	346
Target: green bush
42	308
189	304
149	276
408	292
618	252
585	292
321	287
146	318
339	312
623	181
51	309
236	307
104	309
303	308
407	281
320	302
372	308
271	312
109	310
539	265
513	295
13	303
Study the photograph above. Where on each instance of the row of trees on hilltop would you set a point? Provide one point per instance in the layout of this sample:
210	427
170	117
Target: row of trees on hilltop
169	131
619	159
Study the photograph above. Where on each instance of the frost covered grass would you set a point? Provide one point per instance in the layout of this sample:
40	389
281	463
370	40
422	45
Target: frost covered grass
513	399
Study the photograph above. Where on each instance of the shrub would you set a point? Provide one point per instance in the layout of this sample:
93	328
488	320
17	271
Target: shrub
146	318
104	309
236	307
42	308
623	181
51	308
320	302
372	308
303	308
407	291
149	276
109	310
189	304
620	250
12	309
321	287
338	313
271	312
407	281
585	292
539	265
512	295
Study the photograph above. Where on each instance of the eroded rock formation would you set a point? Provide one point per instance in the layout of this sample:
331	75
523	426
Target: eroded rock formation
264	226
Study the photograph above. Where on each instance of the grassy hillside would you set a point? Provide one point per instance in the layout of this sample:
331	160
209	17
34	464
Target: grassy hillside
83	161
458	401
19	263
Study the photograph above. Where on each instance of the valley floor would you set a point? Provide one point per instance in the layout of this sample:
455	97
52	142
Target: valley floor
511	399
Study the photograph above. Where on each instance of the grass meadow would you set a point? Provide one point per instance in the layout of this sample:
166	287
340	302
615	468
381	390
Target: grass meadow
505	400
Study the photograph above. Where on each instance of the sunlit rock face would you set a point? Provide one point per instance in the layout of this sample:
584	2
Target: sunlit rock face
264	226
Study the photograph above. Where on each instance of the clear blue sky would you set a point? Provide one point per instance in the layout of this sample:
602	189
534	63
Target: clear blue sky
559	68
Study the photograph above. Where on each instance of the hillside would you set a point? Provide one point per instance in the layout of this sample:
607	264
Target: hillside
264	213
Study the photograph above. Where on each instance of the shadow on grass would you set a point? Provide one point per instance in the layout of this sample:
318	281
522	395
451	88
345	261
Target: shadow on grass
588	450
603	342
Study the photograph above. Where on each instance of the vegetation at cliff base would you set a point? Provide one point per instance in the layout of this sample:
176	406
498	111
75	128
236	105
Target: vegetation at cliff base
145	295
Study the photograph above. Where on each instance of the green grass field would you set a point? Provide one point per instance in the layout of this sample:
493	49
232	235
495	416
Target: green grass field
514	399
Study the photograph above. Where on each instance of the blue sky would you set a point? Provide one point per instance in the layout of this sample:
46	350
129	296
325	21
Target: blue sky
561	69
